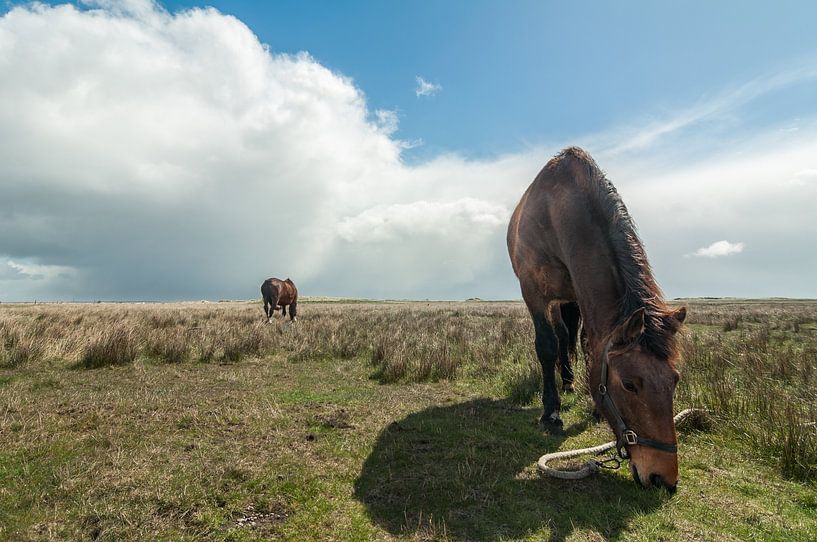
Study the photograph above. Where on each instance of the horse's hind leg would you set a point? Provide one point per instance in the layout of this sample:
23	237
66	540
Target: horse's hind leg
567	331
283	311
272	306
564	359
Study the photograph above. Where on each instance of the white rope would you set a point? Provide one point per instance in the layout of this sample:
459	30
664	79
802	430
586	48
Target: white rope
590	466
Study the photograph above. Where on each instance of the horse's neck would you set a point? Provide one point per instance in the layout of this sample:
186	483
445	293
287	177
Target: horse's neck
598	288
598	323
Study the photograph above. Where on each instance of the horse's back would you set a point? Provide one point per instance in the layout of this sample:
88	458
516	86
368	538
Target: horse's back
290	291
549	218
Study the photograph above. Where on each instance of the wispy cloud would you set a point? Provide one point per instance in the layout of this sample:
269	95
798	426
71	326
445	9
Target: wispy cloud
648	132
718	249
424	88
387	120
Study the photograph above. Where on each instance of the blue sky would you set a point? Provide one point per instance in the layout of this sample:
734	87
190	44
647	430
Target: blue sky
526	72
147	148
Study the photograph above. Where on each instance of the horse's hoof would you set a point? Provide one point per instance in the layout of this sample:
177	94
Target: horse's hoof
567	388
551	423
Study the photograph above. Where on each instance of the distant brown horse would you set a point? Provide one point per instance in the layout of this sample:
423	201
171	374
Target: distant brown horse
283	293
575	250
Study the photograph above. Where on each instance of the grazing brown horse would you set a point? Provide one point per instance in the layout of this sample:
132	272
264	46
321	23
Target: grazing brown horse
280	293
575	250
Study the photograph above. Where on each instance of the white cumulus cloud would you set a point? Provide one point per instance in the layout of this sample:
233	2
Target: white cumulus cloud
173	155
155	155
457	219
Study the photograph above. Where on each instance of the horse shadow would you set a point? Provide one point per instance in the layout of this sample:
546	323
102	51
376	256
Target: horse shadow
467	472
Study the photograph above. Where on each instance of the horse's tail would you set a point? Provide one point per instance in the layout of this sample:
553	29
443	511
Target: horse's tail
268	291
571	316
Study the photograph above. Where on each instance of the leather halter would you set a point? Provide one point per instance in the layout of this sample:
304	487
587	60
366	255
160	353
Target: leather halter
625	435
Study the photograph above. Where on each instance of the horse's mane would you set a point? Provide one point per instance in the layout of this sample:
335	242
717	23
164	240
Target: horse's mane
640	290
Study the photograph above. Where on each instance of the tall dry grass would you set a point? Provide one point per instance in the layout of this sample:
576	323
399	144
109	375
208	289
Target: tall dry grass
403	342
759	384
752	365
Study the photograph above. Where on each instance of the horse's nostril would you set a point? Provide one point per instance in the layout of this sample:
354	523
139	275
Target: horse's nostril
658	481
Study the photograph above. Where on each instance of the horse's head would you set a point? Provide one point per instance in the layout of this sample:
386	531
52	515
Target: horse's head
636	398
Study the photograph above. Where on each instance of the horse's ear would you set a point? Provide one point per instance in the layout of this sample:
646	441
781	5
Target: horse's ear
631	329
680	315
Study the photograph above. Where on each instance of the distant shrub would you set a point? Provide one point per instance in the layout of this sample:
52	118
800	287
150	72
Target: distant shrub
731	324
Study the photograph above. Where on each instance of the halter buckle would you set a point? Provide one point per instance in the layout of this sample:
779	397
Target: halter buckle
602	389
630	437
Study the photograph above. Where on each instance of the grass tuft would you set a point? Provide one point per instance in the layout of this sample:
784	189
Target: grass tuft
18	347
115	346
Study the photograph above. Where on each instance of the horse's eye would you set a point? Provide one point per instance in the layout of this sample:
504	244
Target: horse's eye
629	386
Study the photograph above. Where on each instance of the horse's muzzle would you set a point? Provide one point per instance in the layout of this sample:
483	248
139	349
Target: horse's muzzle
656	480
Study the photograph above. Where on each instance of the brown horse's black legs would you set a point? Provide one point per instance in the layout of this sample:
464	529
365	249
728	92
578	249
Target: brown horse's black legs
273	303
283	311
564	357
547	350
293	311
571	318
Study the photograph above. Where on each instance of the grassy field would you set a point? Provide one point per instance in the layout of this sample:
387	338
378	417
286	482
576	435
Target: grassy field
379	421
